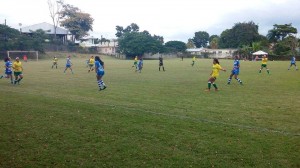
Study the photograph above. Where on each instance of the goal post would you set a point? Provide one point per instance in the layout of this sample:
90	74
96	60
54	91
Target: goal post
29	54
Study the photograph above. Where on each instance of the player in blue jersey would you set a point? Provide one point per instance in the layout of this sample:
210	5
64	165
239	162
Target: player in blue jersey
235	71
140	65
69	64
293	62
8	69
99	69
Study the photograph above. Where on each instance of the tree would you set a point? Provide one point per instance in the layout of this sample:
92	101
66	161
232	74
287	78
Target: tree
55	8
120	30
279	32
287	46
132	42
77	22
159	38
138	43
214	41
38	39
240	34
212	37
11	39
175	46
133	27
190	43
201	39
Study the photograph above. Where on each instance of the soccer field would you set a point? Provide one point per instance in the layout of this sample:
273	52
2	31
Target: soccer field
150	119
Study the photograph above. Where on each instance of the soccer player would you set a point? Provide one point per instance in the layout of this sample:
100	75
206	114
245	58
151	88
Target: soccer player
264	61
140	65
235	71
25	58
18	69
99	69
135	62
8	69
193	60
293	62
161	63
91	63
214	74
69	64
55	60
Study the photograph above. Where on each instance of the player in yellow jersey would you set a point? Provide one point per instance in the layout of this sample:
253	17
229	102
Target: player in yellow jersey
135	62
193	60
18	69
55	60
91	63
214	74
264	61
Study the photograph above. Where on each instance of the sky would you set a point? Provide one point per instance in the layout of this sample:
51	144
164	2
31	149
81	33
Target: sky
172	19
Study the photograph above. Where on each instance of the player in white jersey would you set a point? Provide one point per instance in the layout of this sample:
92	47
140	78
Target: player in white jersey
69	64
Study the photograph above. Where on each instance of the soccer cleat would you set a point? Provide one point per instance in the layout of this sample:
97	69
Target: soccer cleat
216	90
15	82
228	83
104	87
1	76
207	90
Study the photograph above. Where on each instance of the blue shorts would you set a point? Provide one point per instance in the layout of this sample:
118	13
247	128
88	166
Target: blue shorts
100	73
68	66
235	71
8	72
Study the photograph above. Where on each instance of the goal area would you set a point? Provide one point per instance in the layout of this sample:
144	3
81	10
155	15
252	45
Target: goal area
31	55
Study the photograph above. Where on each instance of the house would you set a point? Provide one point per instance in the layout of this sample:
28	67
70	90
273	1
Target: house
194	51
88	41
61	33
212	53
109	47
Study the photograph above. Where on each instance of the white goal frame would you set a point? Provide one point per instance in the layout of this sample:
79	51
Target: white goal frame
36	53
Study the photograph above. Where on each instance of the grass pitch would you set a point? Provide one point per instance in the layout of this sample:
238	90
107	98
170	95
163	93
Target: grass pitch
150	119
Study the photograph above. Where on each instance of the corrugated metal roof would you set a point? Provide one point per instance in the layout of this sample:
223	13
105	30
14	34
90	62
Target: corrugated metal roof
48	28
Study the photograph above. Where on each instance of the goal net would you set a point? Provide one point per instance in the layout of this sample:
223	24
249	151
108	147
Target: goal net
30	55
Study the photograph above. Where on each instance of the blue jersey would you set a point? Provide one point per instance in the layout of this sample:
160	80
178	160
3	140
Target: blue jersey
236	64
99	69
68	62
98	66
140	64
293	60
8	67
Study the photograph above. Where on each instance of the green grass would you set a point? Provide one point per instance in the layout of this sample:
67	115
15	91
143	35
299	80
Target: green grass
150	119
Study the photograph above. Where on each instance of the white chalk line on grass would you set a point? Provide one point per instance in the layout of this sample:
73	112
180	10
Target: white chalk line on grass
218	123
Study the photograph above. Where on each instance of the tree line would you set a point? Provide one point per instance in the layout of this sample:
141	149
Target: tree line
281	40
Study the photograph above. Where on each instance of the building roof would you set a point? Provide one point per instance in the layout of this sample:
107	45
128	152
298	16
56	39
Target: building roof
194	49
48	28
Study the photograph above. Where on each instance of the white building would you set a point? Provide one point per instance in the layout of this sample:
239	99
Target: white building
108	47
212	53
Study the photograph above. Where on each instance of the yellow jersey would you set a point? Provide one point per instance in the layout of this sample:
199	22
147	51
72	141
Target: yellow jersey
264	60
135	59
215	70
92	61
17	66
194	58
55	59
